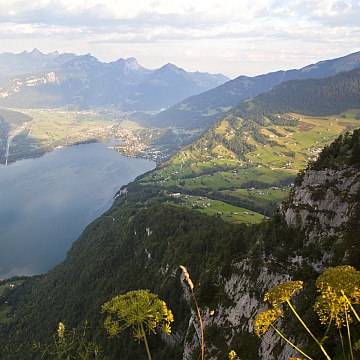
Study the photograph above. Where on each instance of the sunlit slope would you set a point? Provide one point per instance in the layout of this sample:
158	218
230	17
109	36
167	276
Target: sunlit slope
249	157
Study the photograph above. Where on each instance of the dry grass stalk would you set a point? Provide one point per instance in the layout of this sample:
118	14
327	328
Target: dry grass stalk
191	285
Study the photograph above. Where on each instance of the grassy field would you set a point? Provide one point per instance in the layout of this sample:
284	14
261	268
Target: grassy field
49	129
220	209
261	177
50	125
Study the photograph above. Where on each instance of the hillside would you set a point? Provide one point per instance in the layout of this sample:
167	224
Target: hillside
84	82
200	111
140	242
9	120
247	159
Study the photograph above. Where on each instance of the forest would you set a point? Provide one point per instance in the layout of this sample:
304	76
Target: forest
139	244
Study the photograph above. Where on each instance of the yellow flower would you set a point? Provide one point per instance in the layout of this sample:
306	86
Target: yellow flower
282	292
233	355
61	331
265	319
336	286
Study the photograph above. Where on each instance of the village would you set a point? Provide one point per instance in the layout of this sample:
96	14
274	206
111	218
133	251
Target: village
133	145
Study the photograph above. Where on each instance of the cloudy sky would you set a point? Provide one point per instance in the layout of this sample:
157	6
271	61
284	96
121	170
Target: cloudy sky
233	37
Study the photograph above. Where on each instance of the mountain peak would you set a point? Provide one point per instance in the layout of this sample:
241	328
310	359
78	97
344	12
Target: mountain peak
171	66
132	64
36	52
171	69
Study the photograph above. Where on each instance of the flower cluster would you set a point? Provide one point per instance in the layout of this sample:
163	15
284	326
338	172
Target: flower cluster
265	319
282	292
339	287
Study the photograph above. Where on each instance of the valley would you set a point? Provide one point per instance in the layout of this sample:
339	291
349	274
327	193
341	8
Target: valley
236	184
48	129
253	182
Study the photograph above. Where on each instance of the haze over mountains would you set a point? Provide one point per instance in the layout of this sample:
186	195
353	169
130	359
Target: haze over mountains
193	100
198	112
81	82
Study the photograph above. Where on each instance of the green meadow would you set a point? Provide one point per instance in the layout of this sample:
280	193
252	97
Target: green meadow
54	125
260	178
221	210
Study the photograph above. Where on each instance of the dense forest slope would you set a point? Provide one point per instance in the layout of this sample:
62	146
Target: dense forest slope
142	239
202	110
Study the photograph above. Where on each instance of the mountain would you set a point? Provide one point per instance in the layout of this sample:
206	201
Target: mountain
200	111
84	82
25	62
249	157
150	230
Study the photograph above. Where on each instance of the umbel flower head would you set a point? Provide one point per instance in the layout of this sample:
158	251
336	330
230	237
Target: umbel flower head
265	319
337	287
139	309
61	331
282	292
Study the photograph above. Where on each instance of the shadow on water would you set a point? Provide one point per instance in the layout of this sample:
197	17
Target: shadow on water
46	202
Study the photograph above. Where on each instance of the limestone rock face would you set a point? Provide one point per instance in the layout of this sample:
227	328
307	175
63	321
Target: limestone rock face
323	202
320	205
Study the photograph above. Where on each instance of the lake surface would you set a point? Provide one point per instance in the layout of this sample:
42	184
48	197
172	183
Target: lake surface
46	202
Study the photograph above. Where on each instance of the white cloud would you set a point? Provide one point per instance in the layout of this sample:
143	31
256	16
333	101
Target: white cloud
177	29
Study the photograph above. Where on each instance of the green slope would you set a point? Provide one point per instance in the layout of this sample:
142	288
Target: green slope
249	157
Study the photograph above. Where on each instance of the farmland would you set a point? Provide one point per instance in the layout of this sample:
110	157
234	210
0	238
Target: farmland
257	181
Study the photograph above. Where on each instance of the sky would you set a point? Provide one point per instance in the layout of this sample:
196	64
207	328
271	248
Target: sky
233	37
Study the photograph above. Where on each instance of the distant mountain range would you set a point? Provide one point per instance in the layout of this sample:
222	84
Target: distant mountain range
70	81
36	80
26	62
200	111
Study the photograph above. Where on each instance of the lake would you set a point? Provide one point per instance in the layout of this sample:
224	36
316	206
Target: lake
46	202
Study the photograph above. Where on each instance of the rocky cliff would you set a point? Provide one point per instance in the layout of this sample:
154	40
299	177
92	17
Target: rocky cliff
314	228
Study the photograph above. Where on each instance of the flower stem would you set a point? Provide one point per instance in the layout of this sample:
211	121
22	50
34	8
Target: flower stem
351	307
290	343
145	341
201	328
308	330
348	332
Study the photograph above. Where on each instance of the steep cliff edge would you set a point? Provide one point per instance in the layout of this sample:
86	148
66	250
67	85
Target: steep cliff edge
315	227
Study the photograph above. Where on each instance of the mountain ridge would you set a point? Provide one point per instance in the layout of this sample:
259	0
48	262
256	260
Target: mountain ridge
83	81
200	111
